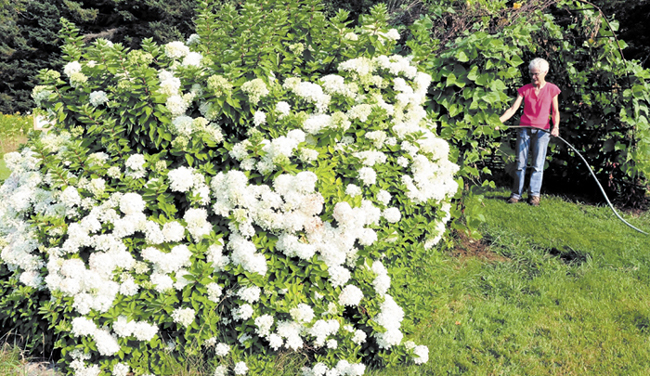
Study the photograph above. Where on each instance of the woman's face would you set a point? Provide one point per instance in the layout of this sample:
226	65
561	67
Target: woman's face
537	75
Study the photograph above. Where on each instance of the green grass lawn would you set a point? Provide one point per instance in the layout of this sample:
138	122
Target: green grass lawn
562	289
4	171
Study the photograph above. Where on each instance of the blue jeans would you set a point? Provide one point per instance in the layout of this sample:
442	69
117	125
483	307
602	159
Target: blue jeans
537	140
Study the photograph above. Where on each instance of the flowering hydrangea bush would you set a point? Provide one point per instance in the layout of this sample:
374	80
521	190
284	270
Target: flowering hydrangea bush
180	203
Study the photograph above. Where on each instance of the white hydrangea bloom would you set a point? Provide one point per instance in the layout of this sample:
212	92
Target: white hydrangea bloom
312	93
181	179
192	59
384	197
390	318
367	175
361	112
70	197
361	65
177	105
339	275
302	313
144	331
353	190
350	296
421	354
221	371
184	316
214	292
335	84
197	223
221	349
193	39
259	118
250	294
169	84
176	50
121	369
183	125
71	68
240	368
106	343
264	324
82	326
97	98
243	312
283	109
131	203
173	232
392	215
256	89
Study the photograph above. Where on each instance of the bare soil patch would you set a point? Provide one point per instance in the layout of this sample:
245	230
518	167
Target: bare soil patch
467	247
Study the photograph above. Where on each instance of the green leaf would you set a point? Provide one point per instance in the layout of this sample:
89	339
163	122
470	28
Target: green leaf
451	79
515	61
473	73
462	56
483	79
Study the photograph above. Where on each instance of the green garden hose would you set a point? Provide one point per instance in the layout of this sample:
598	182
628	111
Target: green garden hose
592	174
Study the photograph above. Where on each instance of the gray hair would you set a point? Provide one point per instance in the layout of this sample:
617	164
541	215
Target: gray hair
540	63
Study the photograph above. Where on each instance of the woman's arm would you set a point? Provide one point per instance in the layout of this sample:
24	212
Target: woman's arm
512	110
556	118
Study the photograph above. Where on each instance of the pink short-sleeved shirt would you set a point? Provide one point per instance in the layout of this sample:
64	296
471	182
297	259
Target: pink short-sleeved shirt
537	108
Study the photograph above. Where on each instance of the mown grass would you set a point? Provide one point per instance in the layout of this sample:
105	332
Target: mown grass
4	171
563	289
13	132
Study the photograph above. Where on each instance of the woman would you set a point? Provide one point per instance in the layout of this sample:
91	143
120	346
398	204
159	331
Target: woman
539	97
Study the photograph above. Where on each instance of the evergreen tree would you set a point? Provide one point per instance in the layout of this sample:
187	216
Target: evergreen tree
30	42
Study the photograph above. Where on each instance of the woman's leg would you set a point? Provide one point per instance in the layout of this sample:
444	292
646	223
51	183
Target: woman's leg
523	143
539	144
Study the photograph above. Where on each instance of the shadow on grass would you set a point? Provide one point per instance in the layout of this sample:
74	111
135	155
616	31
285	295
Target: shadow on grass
569	255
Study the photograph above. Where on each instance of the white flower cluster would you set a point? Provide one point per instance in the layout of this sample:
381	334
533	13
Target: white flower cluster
256	89
93	286
97	98
73	71
135	166
178	102
176	50
20	194
184	316
335	84
187	180
141	330
106	342
41	93
342	368
274	152
310	92
323	329
381	283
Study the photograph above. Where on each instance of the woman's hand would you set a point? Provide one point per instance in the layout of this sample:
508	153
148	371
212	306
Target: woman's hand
555	132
